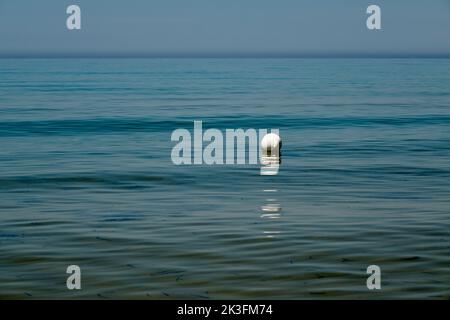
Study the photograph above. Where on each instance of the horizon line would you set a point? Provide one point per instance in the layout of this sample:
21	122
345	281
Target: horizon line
212	55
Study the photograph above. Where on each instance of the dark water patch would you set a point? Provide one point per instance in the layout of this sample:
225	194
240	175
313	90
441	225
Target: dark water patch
85	180
10	235
124	125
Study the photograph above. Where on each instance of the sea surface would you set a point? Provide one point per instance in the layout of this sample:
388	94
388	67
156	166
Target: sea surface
86	178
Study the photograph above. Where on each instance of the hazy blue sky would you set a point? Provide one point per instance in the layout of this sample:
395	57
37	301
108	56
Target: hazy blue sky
224	27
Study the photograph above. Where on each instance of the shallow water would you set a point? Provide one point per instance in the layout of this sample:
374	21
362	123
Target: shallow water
86	178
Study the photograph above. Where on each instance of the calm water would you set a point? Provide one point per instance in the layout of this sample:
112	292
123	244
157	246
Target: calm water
86	178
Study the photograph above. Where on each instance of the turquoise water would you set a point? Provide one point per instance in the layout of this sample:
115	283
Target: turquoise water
86	178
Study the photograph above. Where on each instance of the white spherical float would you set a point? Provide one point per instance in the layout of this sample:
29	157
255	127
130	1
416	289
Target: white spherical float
270	154
271	145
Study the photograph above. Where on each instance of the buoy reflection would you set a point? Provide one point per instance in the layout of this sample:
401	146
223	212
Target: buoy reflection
270	211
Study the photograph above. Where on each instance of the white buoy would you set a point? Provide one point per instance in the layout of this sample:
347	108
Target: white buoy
271	144
270	154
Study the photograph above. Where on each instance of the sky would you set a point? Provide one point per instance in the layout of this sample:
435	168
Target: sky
224	27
